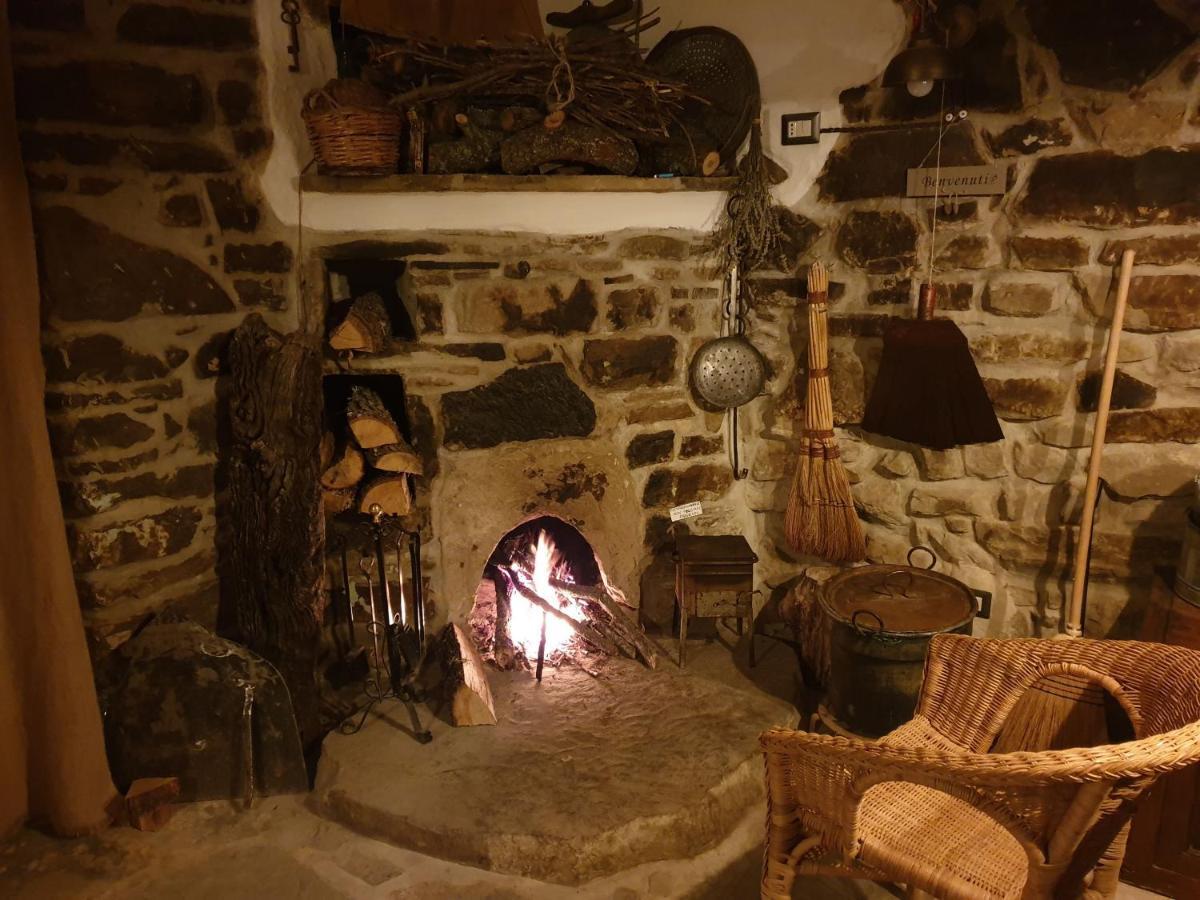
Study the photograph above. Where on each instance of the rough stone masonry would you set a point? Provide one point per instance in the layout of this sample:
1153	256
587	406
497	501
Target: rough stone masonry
144	153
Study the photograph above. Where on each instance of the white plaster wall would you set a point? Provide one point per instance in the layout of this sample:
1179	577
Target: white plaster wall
806	53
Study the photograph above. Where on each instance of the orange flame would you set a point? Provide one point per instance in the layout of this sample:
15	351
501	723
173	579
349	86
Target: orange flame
526	620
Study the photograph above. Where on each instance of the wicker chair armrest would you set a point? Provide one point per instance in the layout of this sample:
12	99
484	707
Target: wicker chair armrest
1113	762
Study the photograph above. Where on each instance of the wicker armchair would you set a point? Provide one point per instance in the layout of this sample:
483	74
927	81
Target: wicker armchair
927	806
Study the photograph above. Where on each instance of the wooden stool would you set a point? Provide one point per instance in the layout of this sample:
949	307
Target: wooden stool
714	578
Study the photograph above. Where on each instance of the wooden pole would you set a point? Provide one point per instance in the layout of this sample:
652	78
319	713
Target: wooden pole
1073	626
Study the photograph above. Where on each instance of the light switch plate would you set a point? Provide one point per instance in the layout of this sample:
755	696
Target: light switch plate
800	128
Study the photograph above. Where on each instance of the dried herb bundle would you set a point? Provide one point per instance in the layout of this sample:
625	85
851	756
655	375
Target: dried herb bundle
748	234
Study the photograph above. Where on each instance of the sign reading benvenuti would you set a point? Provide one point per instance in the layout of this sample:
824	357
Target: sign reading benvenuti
958	181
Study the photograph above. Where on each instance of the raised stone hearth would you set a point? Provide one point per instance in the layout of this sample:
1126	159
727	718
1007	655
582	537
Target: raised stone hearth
582	776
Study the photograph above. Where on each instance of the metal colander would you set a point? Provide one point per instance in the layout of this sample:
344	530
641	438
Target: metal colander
728	371
715	65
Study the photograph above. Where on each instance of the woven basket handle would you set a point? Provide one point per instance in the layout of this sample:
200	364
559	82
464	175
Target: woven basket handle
310	99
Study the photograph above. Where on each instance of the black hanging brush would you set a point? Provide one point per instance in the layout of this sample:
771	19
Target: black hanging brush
928	391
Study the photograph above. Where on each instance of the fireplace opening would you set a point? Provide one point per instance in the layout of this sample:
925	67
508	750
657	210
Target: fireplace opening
543	595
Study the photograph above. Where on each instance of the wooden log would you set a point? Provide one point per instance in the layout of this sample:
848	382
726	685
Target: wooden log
554	120
346	470
623	629
572	142
389	492
366	326
455	680
477	150
399	457
514	118
336	502
589	634
370	422
271	570
150	802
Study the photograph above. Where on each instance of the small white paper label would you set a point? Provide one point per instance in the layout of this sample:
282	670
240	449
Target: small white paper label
686	511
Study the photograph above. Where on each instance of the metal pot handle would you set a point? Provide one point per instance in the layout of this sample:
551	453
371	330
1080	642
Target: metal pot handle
933	560
862	631
886	588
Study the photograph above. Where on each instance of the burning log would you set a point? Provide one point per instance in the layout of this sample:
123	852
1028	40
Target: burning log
398	457
625	631
346	469
389	492
370	422
455	680
366	326
529	594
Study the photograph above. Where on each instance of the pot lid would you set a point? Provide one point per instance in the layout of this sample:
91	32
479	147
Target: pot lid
897	599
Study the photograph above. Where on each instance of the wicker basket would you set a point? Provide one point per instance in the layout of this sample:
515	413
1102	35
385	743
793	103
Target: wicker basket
352	140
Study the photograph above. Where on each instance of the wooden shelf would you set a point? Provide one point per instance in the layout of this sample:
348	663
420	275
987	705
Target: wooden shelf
409	184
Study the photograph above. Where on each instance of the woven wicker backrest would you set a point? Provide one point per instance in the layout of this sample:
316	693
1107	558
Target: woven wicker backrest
971	684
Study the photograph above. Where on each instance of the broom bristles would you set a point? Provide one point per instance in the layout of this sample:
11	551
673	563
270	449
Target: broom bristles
821	518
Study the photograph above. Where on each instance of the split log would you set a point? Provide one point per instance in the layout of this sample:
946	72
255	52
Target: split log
585	631
389	492
574	142
150	802
346	470
455	680
337	502
370	422
399	457
271	599
366	326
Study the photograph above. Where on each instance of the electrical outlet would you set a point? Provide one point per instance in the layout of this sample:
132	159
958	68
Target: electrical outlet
800	128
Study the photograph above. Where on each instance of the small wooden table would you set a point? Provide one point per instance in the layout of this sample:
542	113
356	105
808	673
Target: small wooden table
714	578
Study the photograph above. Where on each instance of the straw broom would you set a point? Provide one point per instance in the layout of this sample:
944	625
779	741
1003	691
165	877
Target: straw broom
821	520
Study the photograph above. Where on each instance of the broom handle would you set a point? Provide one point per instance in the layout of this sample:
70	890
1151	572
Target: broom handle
818	407
1074	623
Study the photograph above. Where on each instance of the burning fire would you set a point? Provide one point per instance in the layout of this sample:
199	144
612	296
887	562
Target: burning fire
526	620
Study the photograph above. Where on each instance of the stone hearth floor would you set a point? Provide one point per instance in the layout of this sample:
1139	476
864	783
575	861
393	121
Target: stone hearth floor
583	776
284	848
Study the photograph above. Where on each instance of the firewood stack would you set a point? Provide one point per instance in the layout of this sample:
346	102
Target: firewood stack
370	463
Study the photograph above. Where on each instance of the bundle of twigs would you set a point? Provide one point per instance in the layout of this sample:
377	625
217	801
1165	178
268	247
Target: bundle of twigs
748	233
598	80
821	519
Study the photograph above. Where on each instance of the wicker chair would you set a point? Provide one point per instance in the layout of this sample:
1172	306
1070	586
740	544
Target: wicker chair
927	806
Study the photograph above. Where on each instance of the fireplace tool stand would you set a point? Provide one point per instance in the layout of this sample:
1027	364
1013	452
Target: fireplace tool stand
396	629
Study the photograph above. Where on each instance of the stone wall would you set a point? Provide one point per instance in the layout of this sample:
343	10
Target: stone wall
550	376
1093	106
142	134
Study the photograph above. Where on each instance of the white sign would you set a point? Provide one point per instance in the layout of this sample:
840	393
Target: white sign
686	511
958	181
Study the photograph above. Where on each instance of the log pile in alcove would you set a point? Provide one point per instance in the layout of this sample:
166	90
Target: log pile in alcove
370	463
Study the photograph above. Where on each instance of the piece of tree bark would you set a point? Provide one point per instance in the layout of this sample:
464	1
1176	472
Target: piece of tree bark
346	470
271	598
370	422
399	457
573	142
389	492
456	681
477	150
514	118
150	802
366	326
